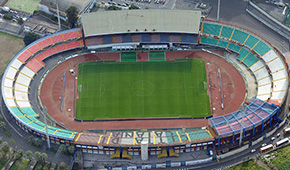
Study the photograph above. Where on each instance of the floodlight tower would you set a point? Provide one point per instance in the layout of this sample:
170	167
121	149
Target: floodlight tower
218	11
58	17
242	109
46	131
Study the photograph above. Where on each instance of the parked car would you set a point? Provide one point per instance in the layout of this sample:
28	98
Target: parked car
278	135
264	144
253	150
273	138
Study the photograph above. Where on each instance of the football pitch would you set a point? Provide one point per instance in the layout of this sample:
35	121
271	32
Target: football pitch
142	90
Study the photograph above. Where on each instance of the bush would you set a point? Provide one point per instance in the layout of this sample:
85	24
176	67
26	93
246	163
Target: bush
30	37
8	16
114	7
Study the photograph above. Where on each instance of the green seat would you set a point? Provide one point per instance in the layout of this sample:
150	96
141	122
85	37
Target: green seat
234	47
211	28
239	36
243	53
250	59
251	41
29	111
210	41
16	111
261	48
226	32
222	43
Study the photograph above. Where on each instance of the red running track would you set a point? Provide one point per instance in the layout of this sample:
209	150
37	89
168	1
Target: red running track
233	90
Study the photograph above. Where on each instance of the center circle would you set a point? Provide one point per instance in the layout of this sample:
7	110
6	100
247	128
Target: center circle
100	89
142	88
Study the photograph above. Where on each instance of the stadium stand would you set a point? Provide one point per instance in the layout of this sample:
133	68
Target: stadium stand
146	38
268	67
16	94
257	114
117	39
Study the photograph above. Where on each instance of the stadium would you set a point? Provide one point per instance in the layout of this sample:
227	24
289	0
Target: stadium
126	78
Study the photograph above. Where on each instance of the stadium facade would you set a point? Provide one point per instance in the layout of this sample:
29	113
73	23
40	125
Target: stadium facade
135	30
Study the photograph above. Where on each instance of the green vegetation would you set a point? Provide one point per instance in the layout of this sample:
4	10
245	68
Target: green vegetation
251	164
142	89
30	37
281	158
23	5
133	6
8	16
20	164
72	16
114	7
7	133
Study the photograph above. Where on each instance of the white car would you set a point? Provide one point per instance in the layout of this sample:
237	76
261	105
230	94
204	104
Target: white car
264	144
273	138
253	150
278	135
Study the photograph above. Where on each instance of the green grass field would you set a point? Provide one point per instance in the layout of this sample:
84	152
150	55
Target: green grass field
142	89
23	5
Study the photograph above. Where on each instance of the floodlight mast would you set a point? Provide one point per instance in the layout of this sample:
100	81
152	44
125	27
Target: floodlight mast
242	109
46	131
218	10
58	17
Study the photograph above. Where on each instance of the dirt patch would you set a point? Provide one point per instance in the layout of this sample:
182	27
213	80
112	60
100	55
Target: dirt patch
10	45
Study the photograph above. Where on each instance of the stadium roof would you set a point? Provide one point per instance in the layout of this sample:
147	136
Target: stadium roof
107	22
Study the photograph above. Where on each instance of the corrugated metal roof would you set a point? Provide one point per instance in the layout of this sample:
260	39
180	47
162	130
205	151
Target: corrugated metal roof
181	21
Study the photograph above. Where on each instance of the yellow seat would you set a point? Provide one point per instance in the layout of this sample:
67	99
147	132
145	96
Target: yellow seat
125	154
163	153
116	154
172	153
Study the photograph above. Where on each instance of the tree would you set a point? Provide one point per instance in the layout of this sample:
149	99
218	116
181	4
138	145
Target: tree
43	157
1	140
29	154
37	156
2	124
19	154
37	142
1	117
20	21
71	149
8	16
12	141
5	148
114	7
132	6
31	138
72	16
62	147
30	37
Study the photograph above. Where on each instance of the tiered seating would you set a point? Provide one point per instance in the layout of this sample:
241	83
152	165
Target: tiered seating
117	39
239	36
72	35
24	56
57	38
155	38
164	38
136	38
35	65
16	94
146	38
261	48
211	28
270	86
45	43
175	38
107	40
188	39
126	38
251	41
210	41
279	75
226	32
